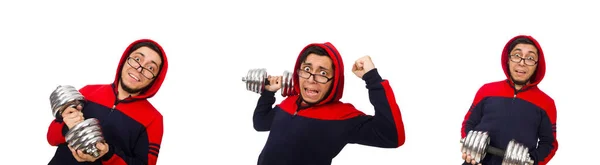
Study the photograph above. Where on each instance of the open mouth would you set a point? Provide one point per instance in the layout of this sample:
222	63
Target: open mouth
134	77
311	92
520	72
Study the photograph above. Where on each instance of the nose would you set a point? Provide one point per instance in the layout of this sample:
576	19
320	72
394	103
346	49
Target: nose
311	79
522	62
139	69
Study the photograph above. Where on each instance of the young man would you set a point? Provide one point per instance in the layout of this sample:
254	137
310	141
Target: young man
516	108
131	126
313	127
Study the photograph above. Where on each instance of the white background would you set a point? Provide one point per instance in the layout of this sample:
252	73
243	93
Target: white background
435	54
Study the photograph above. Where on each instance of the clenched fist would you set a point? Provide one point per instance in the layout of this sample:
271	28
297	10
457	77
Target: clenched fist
274	83
362	66
73	116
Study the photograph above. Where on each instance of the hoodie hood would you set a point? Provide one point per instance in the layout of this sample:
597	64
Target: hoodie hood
155	85
540	71
337	86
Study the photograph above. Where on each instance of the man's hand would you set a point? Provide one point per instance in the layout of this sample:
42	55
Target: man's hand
468	158
82	157
274	83
362	66
72	116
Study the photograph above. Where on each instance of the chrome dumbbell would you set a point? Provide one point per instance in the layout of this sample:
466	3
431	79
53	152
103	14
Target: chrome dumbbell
256	80
476	144
84	135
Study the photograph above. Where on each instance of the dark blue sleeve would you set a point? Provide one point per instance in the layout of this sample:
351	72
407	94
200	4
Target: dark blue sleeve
263	113
546	138
473	117
384	129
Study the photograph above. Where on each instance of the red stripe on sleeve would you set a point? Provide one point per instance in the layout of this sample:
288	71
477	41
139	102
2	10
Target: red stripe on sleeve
391	99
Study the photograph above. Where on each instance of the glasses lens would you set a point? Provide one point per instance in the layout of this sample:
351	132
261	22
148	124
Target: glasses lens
515	58
321	79
303	74
133	63
529	62
147	74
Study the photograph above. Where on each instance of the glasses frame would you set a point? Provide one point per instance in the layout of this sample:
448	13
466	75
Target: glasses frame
313	76
521	59
129	59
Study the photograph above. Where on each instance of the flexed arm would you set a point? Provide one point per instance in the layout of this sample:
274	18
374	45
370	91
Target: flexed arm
385	129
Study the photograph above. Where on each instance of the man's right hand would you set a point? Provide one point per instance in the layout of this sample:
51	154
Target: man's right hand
467	158
72	116
274	83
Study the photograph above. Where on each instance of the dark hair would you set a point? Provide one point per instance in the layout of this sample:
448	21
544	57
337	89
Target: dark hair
313	50
521	41
148	44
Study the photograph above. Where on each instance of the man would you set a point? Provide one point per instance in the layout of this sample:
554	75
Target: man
313	127
516	108
131	126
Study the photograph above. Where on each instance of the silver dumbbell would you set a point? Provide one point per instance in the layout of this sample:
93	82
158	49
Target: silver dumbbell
84	135
256	80
476	144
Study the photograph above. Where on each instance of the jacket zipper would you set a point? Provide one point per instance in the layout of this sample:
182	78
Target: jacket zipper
113	107
117	101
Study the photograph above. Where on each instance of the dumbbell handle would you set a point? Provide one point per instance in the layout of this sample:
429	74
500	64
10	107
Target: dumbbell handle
494	151
266	80
500	152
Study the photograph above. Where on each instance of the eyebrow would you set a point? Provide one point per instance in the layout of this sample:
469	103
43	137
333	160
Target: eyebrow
517	49
143	55
320	67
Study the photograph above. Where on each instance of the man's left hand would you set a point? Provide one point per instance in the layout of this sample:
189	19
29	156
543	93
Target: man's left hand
362	66
82	157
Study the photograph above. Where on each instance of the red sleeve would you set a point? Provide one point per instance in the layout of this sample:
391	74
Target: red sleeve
147	147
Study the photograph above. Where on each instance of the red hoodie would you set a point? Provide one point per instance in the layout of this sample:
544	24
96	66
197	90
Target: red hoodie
132	127
526	115
316	134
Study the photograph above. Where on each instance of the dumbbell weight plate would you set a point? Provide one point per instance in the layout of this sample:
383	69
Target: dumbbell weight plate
85	135
62	97
475	144
516	154
287	84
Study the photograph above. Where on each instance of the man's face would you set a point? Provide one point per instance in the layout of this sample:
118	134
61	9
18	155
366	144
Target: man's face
521	70
141	68
314	87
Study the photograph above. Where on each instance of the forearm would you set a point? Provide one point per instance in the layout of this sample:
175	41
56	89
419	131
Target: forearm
542	154
144	152
547	144
263	114
116	156
56	132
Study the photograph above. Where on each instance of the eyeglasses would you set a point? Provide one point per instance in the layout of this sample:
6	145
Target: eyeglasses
136	65
528	61
318	78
